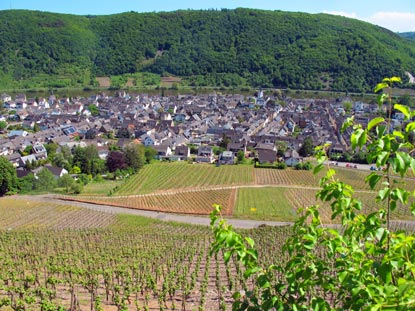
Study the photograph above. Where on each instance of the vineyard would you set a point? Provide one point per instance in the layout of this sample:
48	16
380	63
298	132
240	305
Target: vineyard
166	176
183	202
243	191
129	264
56	256
32	213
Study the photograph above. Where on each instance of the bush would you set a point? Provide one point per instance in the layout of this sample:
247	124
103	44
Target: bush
305	166
77	188
276	165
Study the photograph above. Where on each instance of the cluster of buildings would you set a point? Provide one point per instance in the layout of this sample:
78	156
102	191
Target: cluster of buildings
173	124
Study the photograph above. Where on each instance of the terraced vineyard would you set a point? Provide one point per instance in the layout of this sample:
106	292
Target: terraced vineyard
27	213
60	257
186	202
167	176
243	191
131	263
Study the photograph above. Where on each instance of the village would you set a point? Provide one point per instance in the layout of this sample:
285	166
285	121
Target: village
271	127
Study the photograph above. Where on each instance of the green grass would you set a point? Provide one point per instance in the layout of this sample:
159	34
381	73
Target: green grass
100	188
267	203
126	221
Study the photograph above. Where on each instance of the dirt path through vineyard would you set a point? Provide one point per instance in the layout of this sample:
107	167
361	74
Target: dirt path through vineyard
189	219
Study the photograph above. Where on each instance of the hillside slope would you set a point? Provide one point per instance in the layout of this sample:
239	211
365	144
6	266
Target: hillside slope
227	47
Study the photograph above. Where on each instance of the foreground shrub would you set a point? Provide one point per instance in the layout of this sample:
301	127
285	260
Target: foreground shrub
361	265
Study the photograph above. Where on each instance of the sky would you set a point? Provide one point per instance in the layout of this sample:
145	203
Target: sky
396	15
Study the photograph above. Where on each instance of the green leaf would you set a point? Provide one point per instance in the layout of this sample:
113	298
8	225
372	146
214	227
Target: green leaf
380	86
382	158
346	124
395	79
399	134
412	165
381	99
358	138
402	195
404	109
383	194
263	281
342	276
374	122
373	178
317	168
410	127
399	163
385	272
226	256
250	241
380	233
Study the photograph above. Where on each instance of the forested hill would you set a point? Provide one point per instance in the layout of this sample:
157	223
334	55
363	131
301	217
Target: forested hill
226	47
408	35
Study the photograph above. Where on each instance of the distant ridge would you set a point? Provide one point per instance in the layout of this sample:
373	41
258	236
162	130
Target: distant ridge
408	35
205	48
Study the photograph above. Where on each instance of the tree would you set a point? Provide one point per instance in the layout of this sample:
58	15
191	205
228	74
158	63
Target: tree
26	183
149	154
66	181
51	149
282	147
134	156
45	180
67	154
123	133
36	128
364	264
91	134
60	161
77	187
306	148
224	142
240	156
116	161
8	177
3	125
87	160
93	110
347	106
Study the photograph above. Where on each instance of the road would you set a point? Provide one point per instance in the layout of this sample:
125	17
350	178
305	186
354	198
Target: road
189	219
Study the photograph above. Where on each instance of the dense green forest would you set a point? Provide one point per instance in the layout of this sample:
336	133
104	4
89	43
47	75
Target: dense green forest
242	47
408	35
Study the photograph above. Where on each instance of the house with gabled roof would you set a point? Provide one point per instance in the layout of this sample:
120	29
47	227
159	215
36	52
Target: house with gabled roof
24	160
205	154
267	156
183	152
227	157
163	151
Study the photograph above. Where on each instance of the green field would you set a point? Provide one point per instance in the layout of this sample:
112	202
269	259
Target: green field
100	188
267	203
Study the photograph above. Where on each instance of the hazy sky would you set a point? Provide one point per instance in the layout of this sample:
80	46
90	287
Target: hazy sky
396	15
